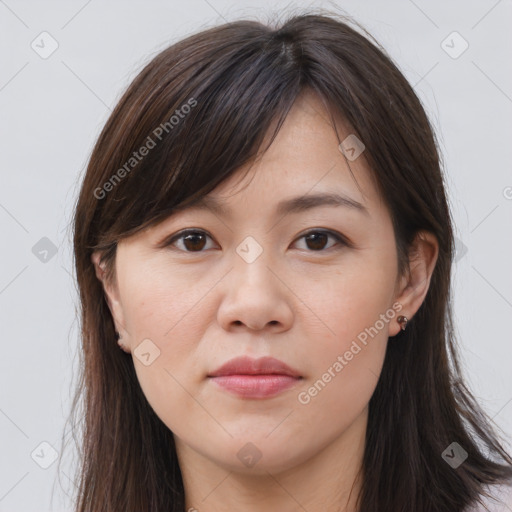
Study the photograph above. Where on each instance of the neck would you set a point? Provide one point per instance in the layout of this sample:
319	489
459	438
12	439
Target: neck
326	482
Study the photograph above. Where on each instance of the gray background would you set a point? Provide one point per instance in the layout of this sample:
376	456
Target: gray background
51	111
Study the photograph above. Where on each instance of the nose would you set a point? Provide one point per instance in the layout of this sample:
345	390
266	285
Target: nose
255	297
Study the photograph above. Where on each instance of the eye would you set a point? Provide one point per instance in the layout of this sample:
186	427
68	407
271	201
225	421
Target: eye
316	239
193	239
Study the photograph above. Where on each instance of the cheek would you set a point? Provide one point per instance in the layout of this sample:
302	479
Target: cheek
345	367
158	300
352	298
356	306
167	308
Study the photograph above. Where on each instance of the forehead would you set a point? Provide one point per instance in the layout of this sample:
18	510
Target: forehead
303	170
305	159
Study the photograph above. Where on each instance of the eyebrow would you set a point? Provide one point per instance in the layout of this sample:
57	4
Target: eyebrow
286	206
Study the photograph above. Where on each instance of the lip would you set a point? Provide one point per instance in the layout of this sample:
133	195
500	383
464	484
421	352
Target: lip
255	378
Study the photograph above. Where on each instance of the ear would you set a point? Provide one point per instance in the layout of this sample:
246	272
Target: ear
111	295
413	287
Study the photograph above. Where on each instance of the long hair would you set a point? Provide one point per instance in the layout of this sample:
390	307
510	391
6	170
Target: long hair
203	108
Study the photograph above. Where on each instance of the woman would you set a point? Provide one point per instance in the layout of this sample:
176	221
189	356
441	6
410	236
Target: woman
264	230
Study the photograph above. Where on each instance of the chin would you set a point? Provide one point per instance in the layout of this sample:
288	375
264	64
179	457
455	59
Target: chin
260	455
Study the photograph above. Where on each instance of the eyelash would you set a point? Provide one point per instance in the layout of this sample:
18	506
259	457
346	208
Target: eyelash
343	241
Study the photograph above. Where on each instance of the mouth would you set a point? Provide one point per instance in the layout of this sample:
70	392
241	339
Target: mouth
255	378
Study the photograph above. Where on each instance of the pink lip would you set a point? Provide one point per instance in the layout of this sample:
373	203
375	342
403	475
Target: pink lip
255	378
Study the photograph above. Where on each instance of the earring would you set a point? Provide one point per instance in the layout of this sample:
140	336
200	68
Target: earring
402	320
121	345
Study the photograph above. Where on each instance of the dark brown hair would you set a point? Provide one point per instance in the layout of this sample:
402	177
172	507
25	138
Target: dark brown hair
203	108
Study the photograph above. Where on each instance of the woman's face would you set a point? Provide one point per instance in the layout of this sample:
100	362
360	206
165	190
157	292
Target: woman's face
264	280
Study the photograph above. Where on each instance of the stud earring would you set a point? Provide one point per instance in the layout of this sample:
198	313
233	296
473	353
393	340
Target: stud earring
402	320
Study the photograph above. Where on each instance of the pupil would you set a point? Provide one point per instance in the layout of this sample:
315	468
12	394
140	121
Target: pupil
315	241
190	237
315	237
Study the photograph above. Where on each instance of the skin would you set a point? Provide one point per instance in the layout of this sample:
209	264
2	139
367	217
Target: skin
301	302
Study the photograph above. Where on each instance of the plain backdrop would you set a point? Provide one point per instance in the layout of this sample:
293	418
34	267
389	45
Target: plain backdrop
63	67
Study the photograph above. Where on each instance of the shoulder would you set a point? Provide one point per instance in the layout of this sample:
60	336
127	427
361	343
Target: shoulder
497	498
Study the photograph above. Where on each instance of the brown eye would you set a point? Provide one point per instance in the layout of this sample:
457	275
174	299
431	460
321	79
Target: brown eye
317	240
192	240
